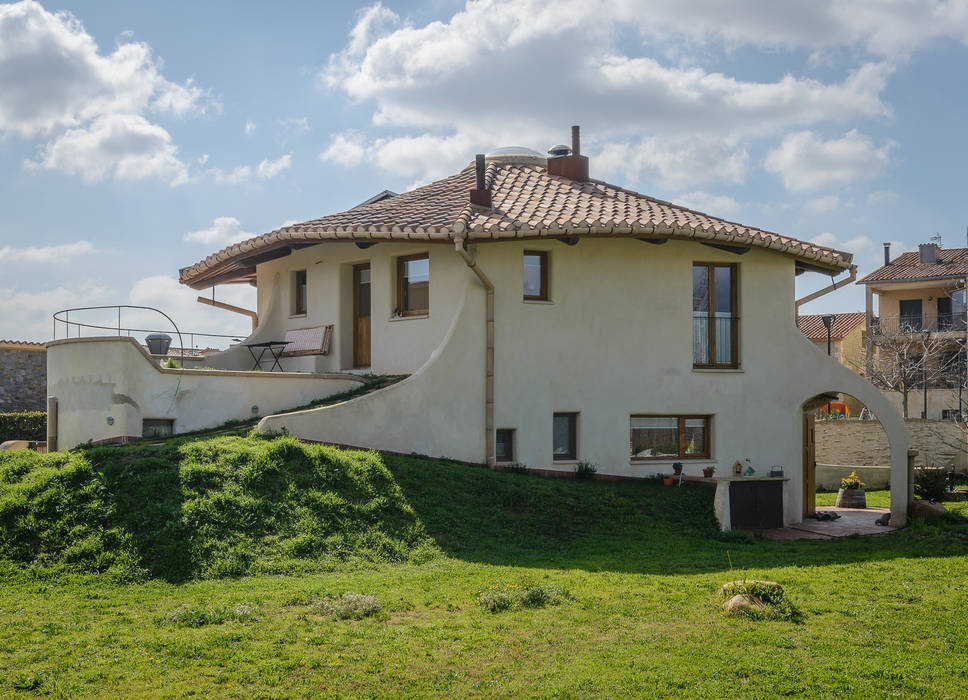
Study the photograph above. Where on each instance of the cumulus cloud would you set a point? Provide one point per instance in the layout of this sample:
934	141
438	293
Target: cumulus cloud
225	230
822	205
27	312
45	254
855	245
719	205
123	146
806	162
266	170
674	124
56	83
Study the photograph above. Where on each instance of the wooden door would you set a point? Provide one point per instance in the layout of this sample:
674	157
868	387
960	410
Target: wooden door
361	315
809	465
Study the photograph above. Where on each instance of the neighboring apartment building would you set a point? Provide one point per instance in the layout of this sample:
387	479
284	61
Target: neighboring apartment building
543	318
918	333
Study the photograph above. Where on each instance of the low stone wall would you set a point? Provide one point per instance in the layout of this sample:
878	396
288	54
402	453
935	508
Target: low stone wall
829	476
864	443
23	377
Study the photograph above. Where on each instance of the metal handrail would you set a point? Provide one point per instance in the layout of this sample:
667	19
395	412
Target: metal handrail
63	316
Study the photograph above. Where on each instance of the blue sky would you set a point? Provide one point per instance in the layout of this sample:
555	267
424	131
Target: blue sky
138	138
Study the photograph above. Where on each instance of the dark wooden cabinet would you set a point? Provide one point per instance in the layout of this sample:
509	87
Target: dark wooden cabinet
756	504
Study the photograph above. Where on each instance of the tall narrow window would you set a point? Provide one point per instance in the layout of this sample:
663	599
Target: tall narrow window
536	275
413	285
504	447
299	292
715	320
565	440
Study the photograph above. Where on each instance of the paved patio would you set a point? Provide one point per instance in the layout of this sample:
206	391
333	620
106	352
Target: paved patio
852	521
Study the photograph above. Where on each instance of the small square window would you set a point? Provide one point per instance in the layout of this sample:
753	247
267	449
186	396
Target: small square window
153	428
565	441
504	439
413	285
536	275
299	305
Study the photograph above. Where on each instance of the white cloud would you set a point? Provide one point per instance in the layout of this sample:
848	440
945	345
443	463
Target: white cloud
225	230
249	128
265	170
719	205
806	162
27	313
45	254
675	124
851	245
55	82
123	146
822	205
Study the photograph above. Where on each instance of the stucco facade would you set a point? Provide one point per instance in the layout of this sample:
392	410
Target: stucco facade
614	340
105	388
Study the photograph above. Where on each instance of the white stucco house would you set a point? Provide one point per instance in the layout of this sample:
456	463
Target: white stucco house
546	318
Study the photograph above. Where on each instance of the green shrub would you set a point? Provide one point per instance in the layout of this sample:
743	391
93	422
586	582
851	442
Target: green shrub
585	470
25	425
191	616
930	483
852	482
501	597
349	606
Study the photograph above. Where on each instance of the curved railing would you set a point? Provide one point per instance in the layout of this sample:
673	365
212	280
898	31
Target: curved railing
64	316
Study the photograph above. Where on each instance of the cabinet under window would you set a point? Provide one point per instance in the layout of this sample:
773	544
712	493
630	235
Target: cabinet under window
413	285
669	437
715	321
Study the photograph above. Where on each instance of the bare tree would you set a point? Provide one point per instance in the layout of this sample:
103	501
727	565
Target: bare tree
911	357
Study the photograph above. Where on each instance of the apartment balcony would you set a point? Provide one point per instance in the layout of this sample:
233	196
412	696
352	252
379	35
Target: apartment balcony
951	325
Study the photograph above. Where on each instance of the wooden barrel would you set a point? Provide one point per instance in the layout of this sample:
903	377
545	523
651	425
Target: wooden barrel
851	498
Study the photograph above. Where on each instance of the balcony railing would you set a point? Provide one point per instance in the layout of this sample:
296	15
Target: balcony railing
901	325
715	341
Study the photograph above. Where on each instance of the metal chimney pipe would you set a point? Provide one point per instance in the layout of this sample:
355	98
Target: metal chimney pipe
887	254
479	163
575	141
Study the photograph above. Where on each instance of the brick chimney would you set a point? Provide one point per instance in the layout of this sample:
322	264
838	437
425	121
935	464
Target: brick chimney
574	166
481	196
928	253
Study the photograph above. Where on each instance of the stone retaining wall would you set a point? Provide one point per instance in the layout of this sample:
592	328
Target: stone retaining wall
23	377
864	443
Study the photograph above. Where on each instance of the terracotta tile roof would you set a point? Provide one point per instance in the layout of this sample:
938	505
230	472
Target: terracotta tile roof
21	345
812	326
527	203
952	262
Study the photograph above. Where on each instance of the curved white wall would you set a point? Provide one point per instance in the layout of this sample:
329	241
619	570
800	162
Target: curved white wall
112	377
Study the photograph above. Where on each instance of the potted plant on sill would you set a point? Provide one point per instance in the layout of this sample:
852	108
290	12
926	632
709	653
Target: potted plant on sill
851	493
708	472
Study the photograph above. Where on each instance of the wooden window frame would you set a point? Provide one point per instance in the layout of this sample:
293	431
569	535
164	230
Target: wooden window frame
542	255
734	318
573	438
513	432
682	437
298	310
402	260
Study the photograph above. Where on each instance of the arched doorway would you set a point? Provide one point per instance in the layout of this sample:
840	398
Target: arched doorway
884	436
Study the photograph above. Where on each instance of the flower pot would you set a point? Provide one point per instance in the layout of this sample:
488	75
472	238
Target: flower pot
668	481
851	498
708	473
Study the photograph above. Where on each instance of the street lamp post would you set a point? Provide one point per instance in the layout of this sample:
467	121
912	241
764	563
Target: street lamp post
828	321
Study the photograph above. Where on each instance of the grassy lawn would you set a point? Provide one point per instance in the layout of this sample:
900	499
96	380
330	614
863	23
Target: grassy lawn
198	568
880	498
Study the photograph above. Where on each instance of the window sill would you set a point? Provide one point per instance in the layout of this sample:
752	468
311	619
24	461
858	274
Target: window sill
573	460
718	370
302	315
546	302
659	461
417	317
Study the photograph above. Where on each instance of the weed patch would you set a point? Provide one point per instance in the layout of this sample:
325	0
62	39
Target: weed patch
192	616
348	606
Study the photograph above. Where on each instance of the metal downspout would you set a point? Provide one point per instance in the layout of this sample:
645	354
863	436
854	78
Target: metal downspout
489	351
